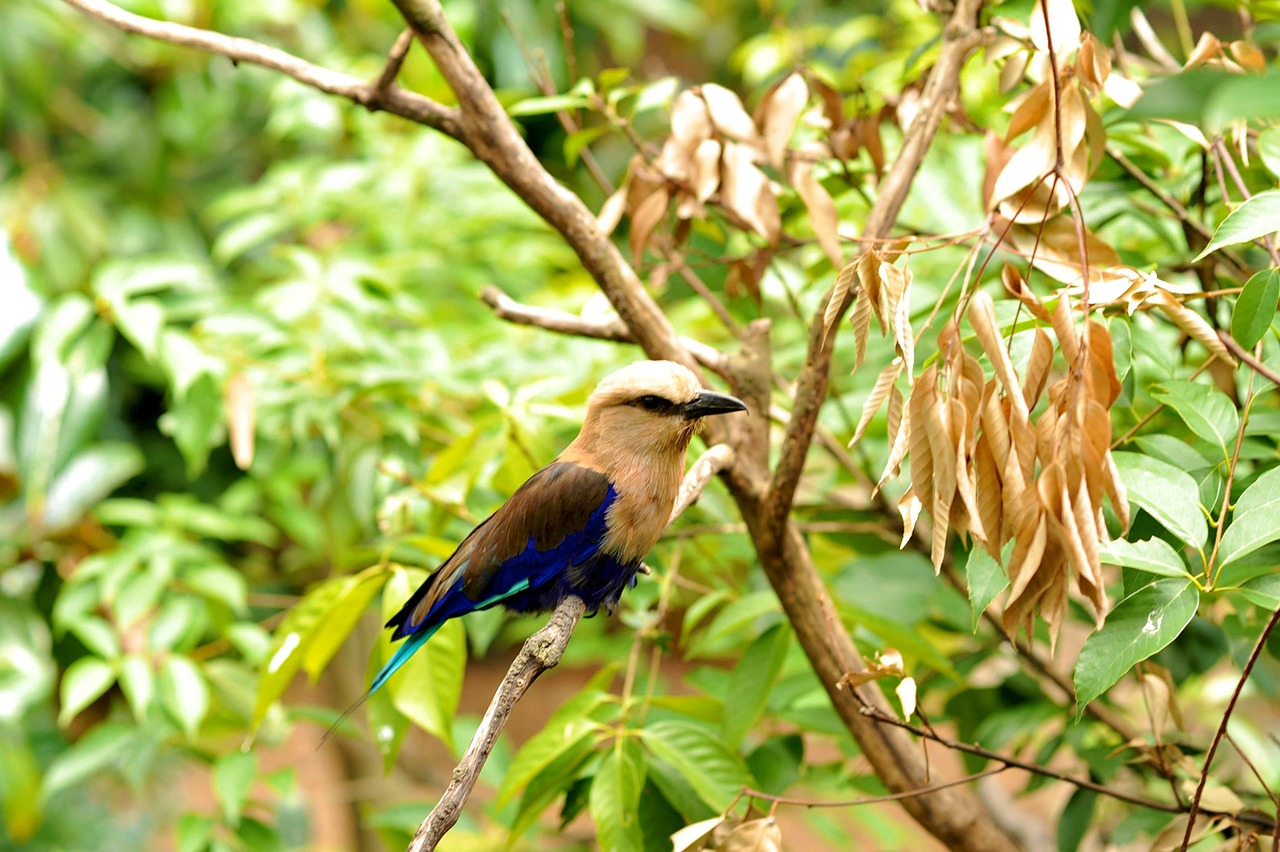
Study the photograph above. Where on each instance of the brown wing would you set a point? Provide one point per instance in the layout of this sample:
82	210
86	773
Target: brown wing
560	510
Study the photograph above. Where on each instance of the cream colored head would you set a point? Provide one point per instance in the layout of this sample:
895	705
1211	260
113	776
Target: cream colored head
646	407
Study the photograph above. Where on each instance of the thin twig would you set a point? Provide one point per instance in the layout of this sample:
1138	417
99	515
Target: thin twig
392	99
1252	768
610	328
542	651
395	61
1083	783
1222	726
1243	354
875	800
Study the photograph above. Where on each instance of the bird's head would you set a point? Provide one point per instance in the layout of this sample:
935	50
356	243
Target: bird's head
652	404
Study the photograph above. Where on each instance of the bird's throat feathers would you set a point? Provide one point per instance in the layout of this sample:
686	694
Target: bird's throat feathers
646	480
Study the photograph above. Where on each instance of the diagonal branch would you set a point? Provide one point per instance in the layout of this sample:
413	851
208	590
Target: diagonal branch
608	328
541	651
960	36
382	95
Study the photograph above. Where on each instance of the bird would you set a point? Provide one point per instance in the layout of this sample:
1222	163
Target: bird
581	525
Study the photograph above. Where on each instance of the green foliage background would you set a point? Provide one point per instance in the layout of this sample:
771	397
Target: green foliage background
173	229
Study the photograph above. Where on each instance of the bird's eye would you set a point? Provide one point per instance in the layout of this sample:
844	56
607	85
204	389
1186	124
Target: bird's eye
653	403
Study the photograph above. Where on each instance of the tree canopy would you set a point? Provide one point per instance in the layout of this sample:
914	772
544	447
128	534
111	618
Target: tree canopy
295	294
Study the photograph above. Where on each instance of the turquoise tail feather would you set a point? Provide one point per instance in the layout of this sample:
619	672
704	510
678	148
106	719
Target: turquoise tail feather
401	656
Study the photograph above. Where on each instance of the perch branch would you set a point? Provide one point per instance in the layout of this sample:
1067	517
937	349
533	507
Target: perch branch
379	95
541	651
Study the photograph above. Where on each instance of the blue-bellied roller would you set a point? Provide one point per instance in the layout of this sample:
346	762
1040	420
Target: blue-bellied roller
582	524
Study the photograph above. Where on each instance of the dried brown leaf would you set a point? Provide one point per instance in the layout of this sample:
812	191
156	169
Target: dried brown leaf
1116	490
690	122
238	398
1206	48
756	835
839	291
906	692
727	114
869	277
1031	162
989	493
982	318
1013	70
777	114
964	476
822	210
1063	27
1015	285
1038	366
1064	328
647	216
1155	692
746	191
1093	62
879	393
706	168
1196	326
899	443
611	211
909	506
1031	110
923	399
1249	56
938	432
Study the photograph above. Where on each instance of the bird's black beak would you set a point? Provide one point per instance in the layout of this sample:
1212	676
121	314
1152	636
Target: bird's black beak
712	403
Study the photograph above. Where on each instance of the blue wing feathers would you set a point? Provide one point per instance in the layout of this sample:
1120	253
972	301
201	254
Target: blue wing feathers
530	579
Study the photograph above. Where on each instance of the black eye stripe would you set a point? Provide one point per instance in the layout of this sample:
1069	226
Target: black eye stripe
655	403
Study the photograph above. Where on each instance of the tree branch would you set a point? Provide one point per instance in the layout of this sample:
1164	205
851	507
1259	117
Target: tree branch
377	96
960	36
541	651
1083	783
1244	355
610	328
1222	726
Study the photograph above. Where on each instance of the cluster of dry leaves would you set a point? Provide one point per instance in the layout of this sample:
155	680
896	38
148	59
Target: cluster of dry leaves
728	833
718	154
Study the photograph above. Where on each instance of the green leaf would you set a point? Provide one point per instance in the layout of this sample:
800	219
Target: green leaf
551	103
86	480
184	693
615	795
715	773
194	832
1255	307
232	777
84	681
1166	493
1154	556
1263	591
1138	626
553	780
138	682
105	745
564	731
1269	150
292	638
1076	818
341	618
1207	411
1255	218
751	682
427	688
986	580
1256	520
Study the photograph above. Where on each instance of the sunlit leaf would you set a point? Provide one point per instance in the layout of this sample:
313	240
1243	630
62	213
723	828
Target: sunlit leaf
1154	556
1255	307
1138	626
615	794
84	681
1257	217
1206	410
1166	493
